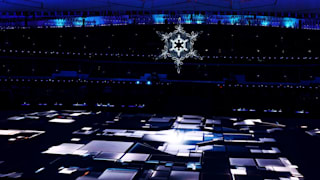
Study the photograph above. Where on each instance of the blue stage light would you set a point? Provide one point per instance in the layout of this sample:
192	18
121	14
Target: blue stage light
159	18
137	82
59	22
148	82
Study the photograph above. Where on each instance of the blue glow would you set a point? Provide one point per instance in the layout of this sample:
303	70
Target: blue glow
86	21
137	82
234	19
59	22
290	22
94	21
193	18
78	21
158	18
286	22
130	21
148	82
265	23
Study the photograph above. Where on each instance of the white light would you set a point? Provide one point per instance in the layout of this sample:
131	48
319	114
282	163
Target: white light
239	171
75	139
63	121
9	132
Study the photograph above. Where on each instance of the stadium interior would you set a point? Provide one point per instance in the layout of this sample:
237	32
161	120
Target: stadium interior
159	90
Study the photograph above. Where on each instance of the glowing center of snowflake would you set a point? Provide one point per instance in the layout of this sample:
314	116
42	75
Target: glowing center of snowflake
179	45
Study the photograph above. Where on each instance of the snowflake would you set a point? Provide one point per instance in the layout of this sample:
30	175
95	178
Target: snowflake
178	46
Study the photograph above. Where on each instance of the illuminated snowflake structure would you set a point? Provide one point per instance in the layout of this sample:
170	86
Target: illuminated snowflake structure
178	46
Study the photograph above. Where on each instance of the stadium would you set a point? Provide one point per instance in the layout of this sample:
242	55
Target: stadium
159	89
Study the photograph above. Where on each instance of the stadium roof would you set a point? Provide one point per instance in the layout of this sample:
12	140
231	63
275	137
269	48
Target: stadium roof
302	6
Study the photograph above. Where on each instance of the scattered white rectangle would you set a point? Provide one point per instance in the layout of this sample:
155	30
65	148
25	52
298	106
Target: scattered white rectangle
118	174
135	157
62	149
63	121
107	146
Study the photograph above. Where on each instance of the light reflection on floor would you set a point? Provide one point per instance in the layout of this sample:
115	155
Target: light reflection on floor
101	145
